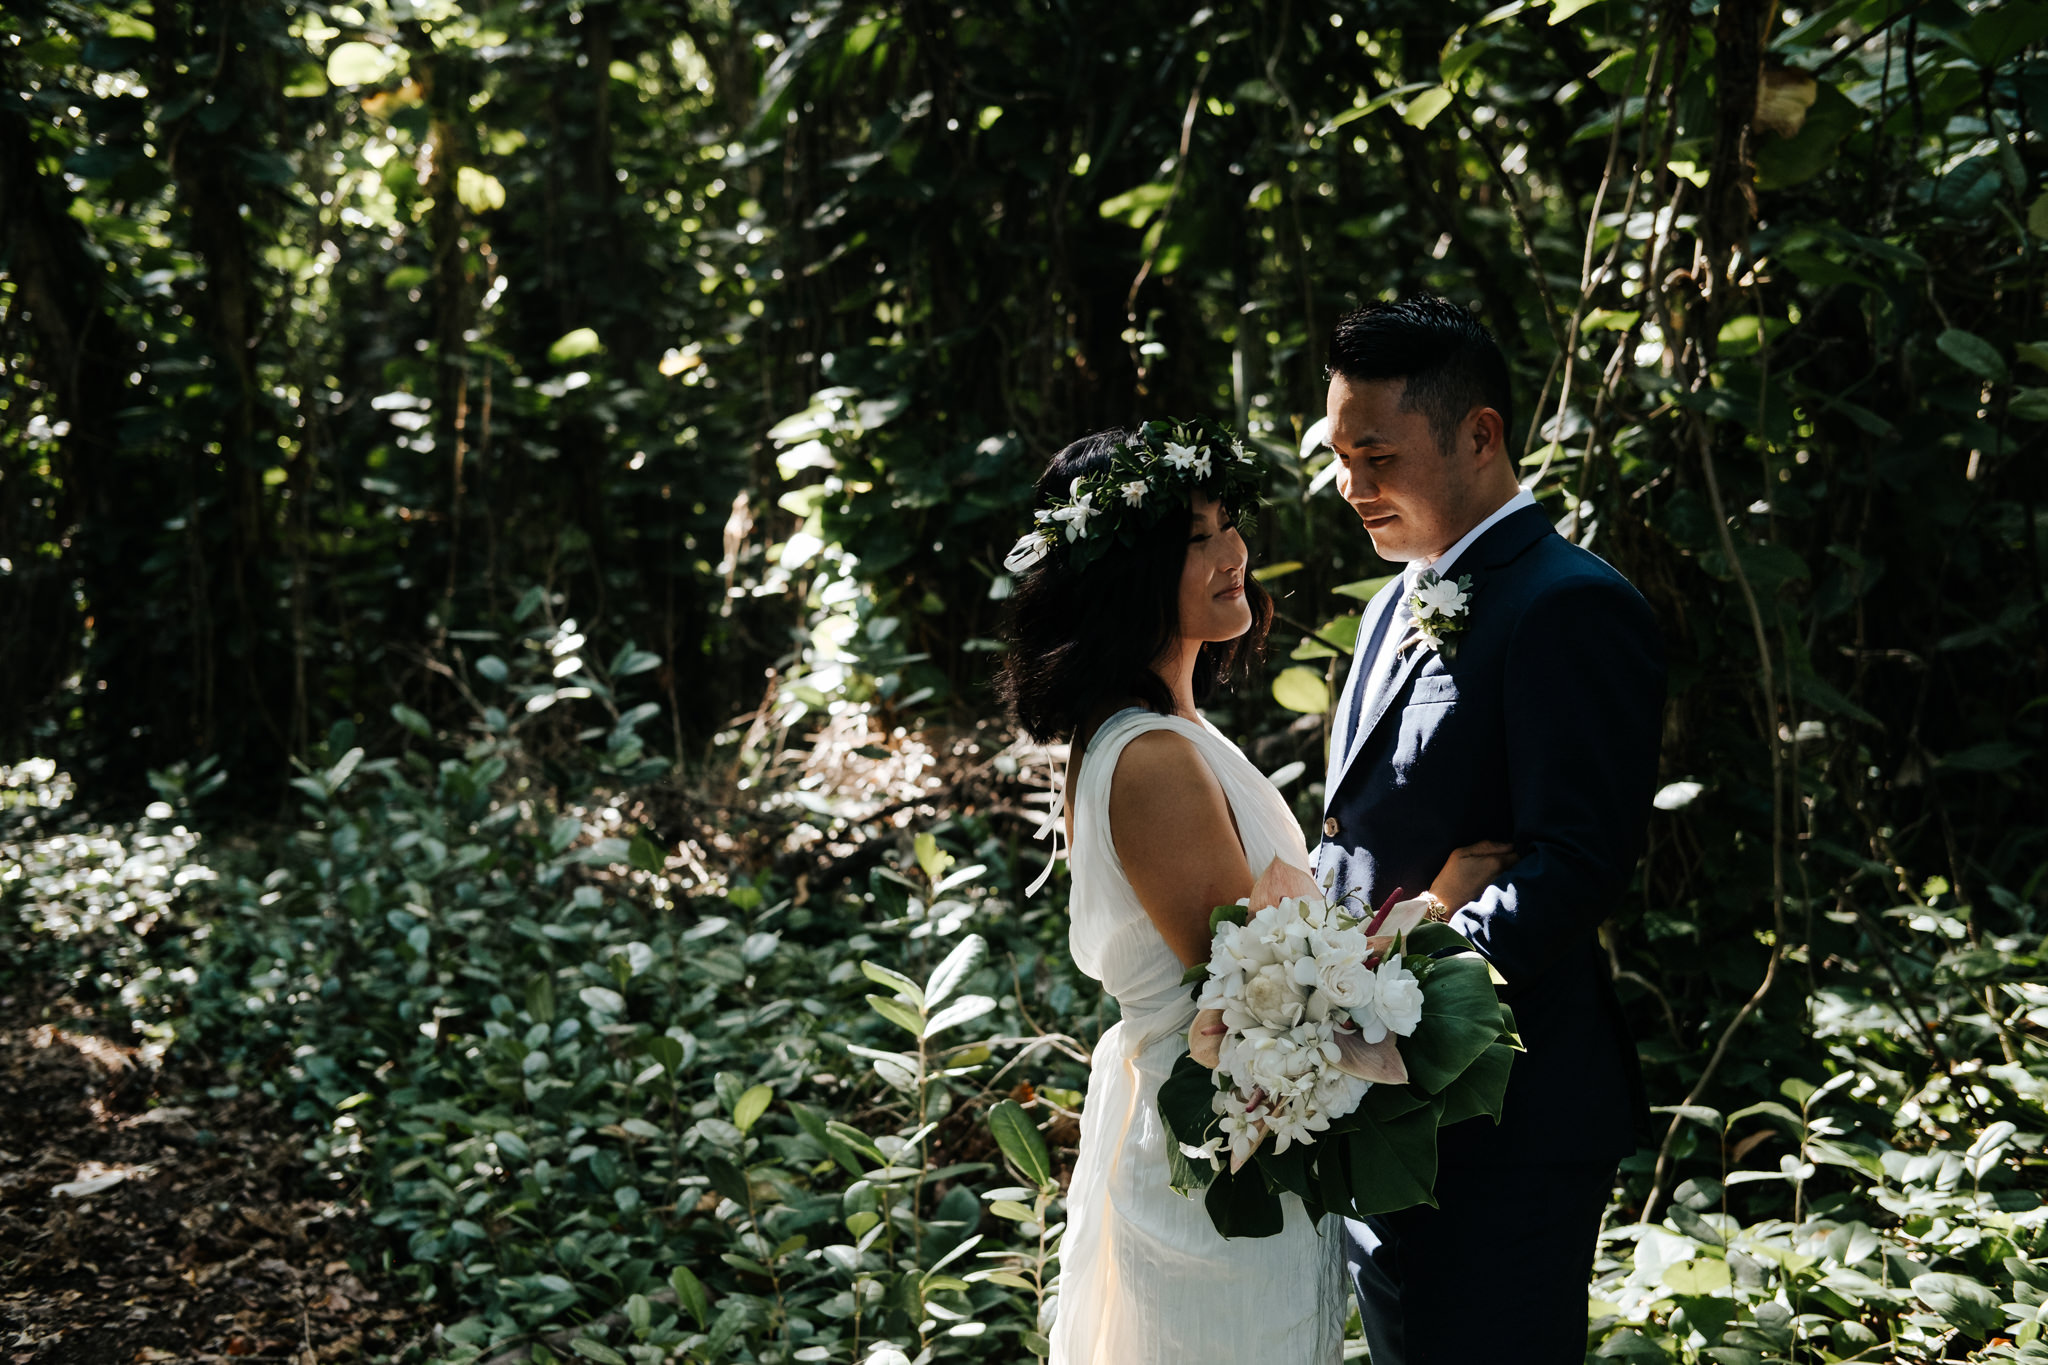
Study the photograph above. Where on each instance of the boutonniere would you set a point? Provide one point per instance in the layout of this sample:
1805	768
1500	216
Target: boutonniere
1442	608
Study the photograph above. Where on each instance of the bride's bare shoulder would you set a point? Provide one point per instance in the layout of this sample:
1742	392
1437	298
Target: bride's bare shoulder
1161	771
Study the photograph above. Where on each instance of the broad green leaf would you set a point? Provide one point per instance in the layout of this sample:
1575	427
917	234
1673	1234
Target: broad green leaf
895	981
1020	1142
1962	1301
1393	1163
955	968
1460	1021
1972	352
1480	1088
597	1351
1302	689
2029	405
1423	109
727	1179
1702	1275
1137	206
752	1105
574	345
643	854
1241	1206
1365	589
899	1014
931	859
1769	1109
359	64
961	1011
478	191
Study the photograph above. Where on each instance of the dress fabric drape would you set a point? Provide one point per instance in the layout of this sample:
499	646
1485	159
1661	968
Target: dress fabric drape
1145	1279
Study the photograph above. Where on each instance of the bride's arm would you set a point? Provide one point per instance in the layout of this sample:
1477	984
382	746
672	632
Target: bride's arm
1171	824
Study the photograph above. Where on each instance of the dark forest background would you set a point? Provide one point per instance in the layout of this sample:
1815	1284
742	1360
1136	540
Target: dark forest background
445	421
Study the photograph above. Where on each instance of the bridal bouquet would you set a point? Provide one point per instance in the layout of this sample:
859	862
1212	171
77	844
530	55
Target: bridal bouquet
1333	1065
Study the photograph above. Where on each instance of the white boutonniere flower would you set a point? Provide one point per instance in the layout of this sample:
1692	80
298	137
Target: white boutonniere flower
1441	608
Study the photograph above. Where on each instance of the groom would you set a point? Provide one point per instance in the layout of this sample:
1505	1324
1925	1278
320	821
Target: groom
1535	723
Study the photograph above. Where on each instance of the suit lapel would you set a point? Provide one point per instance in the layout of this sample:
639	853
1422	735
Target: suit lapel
1501	545
1346	738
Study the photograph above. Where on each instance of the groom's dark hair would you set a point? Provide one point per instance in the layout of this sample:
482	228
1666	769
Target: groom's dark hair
1080	641
1451	362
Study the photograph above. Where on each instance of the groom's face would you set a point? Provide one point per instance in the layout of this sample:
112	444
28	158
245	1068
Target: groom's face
1412	494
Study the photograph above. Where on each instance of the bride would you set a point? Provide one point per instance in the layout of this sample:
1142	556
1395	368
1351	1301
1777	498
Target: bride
1132	605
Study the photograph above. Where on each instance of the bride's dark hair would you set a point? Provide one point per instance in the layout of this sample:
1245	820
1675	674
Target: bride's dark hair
1078	640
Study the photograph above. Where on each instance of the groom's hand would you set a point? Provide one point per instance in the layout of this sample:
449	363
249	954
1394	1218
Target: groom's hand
1279	881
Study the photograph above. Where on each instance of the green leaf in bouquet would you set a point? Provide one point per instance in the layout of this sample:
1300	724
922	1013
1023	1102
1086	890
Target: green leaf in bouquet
1460	1020
1227	914
1288	1172
1186	1106
1481	1087
1510	1031
1430	938
1240	1205
1393	1162
1195	974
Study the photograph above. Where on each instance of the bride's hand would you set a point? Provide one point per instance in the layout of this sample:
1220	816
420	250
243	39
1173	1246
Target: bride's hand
1470	870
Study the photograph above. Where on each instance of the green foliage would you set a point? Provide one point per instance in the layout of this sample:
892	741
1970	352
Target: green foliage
366	365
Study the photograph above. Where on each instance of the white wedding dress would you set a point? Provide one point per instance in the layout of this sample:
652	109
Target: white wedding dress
1145	1278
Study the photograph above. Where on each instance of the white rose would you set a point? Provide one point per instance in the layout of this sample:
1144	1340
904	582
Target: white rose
1274	996
1399	1000
1338	1094
1341	973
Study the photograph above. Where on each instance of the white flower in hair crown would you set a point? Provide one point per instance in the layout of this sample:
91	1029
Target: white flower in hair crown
1442	608
1159	469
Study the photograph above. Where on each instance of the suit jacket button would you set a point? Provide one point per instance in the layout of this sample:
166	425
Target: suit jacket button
1330	828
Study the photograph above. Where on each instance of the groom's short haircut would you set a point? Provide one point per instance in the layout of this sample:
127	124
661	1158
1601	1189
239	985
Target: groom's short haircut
1451	362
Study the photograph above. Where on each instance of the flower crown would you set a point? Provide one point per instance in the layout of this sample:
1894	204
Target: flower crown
1162	467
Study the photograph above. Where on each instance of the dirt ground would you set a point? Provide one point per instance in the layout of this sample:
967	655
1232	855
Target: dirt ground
141	1220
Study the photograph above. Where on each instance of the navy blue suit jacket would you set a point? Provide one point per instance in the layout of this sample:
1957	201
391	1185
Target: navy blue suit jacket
1541	730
